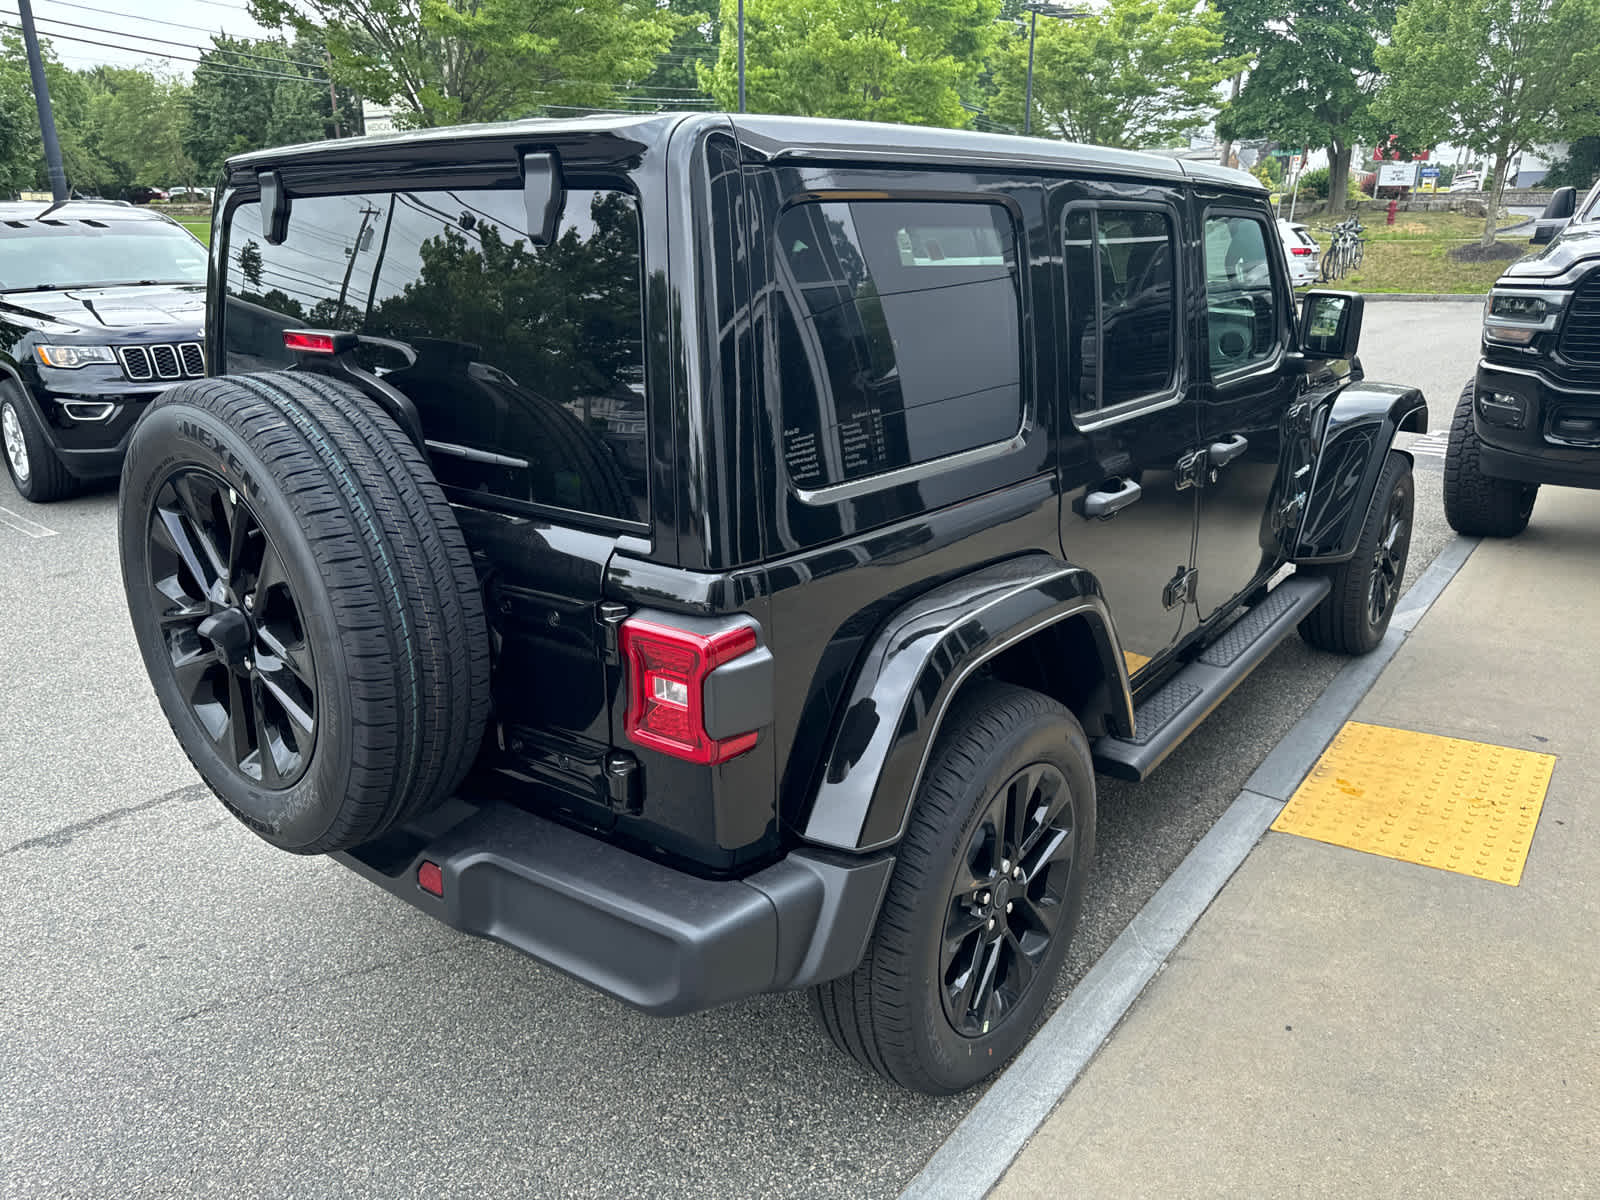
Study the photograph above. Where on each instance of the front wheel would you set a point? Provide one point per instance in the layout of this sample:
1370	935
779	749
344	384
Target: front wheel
33	466
983	900
1474	503
1354	615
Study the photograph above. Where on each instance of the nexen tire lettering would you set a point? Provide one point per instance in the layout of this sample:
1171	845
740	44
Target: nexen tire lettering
230	463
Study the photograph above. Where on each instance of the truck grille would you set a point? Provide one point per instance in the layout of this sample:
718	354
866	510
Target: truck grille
144	363
1580	331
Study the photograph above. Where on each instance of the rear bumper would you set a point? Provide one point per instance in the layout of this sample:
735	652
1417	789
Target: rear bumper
659	939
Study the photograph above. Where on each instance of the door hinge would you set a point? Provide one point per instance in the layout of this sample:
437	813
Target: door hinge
1181	587
611	616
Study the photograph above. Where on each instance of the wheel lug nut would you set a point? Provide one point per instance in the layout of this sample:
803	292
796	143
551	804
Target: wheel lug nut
1017	874
1005	866
984	899
1008	905
991	924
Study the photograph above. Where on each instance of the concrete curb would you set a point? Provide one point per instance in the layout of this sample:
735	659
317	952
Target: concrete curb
980	1149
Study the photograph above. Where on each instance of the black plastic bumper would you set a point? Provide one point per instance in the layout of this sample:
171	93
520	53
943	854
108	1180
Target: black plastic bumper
1533	453
659	939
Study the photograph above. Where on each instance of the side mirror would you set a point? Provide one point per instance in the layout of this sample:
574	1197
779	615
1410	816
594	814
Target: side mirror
1557	215
545	195
1330	324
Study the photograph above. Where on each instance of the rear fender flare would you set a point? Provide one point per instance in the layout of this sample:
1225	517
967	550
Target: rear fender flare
914	669
1355	440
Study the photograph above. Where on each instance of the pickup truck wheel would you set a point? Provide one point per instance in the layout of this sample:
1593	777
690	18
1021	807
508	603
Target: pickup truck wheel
1476	504
983	900
1354	615
34	468
305	605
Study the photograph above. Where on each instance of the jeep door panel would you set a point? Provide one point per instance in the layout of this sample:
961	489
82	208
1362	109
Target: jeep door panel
1123	371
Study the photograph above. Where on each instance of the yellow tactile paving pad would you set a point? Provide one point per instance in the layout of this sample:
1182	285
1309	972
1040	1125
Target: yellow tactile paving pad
1461	806
1134	659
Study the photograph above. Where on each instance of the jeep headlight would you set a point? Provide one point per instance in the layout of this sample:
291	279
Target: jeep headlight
69	357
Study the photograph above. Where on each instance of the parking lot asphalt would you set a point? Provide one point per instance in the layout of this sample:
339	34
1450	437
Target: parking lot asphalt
191	1012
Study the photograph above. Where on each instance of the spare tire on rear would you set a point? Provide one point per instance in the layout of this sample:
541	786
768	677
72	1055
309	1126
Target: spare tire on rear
305	604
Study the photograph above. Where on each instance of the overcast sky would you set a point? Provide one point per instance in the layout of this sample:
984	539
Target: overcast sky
128	25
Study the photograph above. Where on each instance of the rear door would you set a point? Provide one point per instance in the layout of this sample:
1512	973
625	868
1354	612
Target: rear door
1129	506
526	365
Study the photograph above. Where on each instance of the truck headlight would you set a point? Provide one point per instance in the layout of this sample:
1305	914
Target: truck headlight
70	357
1513	317
1519	307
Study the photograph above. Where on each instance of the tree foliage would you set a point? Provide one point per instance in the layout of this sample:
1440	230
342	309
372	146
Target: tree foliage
449	61
1135	73
910	61
1313	74
1496	76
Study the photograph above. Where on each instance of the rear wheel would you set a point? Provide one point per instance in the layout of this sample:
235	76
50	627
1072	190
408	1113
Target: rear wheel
983	900
1354	615
305	605
33	466
1474	503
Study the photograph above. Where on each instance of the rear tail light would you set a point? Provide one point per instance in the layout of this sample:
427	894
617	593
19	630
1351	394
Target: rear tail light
310	343
430	878
667	670
1300	251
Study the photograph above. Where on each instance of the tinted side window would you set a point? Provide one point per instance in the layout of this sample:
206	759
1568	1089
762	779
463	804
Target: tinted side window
899	338
1241	306
1121	304
525	362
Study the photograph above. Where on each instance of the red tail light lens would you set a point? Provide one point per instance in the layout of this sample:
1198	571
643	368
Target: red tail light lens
1300	251
430	878
310	343
667	671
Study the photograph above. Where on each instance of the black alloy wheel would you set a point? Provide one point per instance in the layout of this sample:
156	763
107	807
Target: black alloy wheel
1007	900
235	639
1389	558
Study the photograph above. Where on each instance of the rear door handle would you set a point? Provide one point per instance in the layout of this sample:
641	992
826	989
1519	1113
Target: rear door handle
1106	503
1221	454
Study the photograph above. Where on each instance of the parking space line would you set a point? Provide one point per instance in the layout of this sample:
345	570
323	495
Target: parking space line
24	526
980	1149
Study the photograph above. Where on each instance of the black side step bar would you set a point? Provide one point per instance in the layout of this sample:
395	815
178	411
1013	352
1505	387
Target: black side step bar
1164	719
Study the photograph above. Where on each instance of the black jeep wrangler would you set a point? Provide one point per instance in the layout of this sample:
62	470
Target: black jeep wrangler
1531	415
715	554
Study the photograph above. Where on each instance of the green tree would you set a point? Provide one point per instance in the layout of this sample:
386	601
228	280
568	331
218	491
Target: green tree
250	94
1497	76
1135	73
909	61
1312	75
142	117
448	61
676	76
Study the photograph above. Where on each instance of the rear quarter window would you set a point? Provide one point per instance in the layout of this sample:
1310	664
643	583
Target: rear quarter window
899	342
526	363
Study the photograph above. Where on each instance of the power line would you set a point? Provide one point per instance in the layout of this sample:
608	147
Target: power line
144	37
111	12
243	72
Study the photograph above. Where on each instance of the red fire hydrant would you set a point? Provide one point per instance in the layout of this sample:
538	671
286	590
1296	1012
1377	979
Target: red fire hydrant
1394	203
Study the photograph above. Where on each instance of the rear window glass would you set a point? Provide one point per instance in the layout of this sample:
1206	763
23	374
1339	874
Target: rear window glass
900	339
526	363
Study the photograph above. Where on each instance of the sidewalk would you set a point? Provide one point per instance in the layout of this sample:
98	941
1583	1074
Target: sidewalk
1339	1023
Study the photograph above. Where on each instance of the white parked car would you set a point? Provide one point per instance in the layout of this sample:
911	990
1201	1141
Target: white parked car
1301	250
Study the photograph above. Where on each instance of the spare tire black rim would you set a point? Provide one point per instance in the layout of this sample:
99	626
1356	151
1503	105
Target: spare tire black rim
232	628
1008	899
1389	560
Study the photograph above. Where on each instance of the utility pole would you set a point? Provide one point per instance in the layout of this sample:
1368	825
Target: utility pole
741	55
41	97
333	96
1034	10
367	213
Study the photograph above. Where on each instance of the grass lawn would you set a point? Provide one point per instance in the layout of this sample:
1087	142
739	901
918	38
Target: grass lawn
1409	256
201	229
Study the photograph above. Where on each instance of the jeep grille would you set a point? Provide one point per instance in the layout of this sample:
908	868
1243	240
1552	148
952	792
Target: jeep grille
1580	332
145	363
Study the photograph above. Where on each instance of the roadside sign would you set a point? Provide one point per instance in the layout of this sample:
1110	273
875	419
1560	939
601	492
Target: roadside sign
1428	179
1397	174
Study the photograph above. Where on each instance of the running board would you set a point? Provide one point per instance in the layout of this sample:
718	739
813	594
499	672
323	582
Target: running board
1165	718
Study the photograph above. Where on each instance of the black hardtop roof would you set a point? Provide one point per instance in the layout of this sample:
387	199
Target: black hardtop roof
780	138
76	210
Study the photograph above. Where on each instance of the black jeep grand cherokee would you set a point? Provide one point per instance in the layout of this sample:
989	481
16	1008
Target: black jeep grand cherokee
100	311
715	554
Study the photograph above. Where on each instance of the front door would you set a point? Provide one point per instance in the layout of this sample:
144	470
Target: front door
1127	465
1254	423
